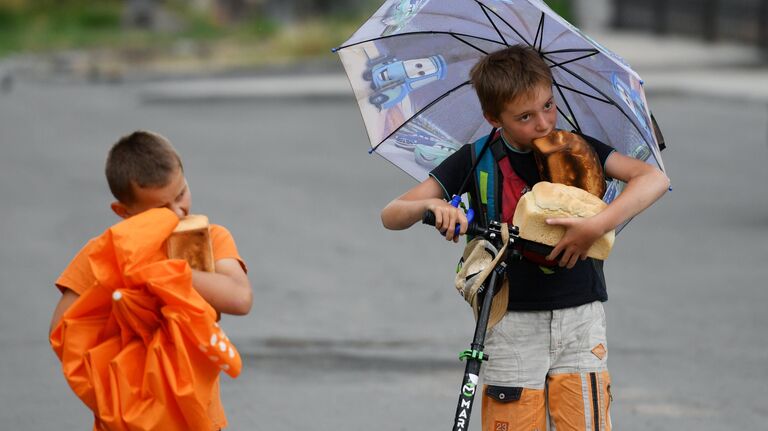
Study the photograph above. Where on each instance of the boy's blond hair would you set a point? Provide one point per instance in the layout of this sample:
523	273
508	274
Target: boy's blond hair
502	76
144	159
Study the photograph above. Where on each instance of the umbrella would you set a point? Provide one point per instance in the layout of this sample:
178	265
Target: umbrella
141	348
409	65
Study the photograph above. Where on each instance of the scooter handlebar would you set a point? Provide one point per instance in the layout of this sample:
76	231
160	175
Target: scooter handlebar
473	229
532	250
490	233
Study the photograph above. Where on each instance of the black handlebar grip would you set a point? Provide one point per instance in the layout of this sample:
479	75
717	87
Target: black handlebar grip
428	218
473	229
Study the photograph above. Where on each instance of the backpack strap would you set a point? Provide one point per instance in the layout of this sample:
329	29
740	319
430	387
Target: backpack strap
500	187
486	175
475	154
474	196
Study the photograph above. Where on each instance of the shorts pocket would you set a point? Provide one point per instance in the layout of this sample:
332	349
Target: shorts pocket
504	394
507	408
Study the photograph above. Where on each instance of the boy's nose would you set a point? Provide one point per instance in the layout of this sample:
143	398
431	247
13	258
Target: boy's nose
180	211
542	124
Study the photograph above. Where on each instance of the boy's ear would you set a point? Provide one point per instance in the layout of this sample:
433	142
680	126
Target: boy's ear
120	209
492	120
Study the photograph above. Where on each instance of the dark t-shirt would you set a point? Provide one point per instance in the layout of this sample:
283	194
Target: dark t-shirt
530	286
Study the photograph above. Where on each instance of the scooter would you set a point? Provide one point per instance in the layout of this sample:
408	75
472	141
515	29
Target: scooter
475	355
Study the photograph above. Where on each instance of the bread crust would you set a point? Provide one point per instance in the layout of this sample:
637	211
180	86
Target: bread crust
549	200
191	241
566	158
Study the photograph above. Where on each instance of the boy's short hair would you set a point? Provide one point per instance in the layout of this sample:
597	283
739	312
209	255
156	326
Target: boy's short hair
502	76
143	158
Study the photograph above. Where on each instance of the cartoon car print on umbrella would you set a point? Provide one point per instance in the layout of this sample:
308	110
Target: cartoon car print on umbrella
400	14
430	156
393	79
409	141
632	98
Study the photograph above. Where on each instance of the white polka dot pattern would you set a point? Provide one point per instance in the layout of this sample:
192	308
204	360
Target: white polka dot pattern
222	352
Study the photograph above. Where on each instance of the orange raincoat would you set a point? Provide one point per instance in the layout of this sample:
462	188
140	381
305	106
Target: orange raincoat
142	348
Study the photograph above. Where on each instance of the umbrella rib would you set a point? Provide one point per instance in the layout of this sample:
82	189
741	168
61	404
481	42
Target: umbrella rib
482	7
467	43
589	107
575	59
558	51
539	32
567	119
567	105
429	105
583	93
505	22
450	33
607	98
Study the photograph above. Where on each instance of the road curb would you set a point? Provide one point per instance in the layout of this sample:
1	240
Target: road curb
745	85
328	87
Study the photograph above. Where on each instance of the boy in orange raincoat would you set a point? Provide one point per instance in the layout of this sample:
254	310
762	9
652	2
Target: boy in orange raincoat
144	172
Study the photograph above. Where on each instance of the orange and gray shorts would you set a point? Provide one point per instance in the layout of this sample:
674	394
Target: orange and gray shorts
548	367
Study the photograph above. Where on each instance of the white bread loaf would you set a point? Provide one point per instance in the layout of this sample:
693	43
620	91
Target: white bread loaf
191	241
551	200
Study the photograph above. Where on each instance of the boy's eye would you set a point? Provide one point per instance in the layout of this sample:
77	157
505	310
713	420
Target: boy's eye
548	106
525	117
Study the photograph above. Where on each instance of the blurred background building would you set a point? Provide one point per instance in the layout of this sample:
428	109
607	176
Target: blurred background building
743	21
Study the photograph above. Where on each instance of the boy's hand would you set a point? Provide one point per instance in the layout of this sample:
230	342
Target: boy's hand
446	218
580	234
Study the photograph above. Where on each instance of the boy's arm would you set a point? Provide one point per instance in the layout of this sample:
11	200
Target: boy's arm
409	208
645	185
67	299
228	290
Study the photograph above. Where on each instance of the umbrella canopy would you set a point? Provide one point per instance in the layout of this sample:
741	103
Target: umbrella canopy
141	348
409	69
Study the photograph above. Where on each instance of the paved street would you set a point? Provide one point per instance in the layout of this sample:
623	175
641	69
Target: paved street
355	327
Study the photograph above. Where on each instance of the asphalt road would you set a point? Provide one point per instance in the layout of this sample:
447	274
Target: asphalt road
356	327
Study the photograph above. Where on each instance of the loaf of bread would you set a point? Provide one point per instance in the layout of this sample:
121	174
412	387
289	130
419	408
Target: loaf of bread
566	158
191	241
549	200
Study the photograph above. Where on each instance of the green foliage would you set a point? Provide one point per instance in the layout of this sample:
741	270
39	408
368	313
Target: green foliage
562	7
9	19
47	24
200	27
99	18
261	28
